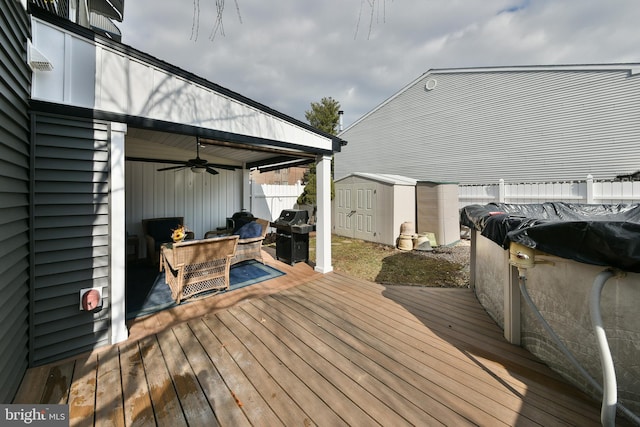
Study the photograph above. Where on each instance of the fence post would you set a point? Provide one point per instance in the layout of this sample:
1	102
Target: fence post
501	191
589	188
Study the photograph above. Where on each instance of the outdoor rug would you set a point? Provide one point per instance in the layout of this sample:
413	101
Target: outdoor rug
147	291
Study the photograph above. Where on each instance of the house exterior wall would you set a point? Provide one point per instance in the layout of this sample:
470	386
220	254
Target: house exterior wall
521	124
15	81
279	177
119	81
70	236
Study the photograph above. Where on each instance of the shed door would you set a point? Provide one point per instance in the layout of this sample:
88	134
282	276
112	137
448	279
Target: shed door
355	213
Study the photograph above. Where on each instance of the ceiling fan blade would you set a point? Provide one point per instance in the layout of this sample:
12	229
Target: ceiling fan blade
212	171
171	168
225	167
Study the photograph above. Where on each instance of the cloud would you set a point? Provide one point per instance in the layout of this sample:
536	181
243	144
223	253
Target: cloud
289	53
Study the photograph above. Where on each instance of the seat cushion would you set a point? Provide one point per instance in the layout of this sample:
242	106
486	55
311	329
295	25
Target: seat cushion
249	230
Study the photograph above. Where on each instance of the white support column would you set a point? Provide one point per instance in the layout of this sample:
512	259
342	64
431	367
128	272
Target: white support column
117	226
323	222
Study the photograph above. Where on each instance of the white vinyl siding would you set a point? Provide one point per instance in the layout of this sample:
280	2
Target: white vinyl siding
92	75
519	125
205	201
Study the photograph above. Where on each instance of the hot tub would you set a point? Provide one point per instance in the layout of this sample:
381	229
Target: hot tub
541	271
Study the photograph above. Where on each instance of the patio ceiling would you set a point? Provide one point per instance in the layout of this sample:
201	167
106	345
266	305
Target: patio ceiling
166	147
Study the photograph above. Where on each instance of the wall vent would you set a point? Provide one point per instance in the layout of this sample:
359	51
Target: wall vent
36	60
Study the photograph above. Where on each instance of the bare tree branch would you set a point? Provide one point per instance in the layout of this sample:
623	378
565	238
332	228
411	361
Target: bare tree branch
238	10
195	25
374	5
218	24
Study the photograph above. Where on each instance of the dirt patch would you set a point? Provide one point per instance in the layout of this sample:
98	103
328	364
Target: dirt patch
444	266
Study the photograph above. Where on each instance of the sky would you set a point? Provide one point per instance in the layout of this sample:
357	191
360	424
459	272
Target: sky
288	53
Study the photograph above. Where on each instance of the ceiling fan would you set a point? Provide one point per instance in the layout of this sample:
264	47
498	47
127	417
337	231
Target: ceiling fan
196	165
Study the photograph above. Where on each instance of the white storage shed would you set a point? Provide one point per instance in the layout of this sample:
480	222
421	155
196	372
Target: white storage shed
372	207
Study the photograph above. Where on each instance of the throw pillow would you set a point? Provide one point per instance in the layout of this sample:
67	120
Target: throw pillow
249	230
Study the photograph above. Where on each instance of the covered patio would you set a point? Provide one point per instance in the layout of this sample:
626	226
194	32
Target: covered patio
134	138
313	349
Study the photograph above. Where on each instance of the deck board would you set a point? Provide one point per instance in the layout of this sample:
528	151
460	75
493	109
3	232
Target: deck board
311	349
165	401
195	405
380	382
138	410
442	365
370	342
253	359
109	398
326	395
82	395
56	389
237	381
224	405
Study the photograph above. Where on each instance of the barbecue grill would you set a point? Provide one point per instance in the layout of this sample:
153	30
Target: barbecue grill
292	236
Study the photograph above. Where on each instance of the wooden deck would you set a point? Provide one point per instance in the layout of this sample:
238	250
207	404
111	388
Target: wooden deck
310	349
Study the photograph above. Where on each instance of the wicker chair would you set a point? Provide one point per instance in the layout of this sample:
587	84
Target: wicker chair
249	248
192	267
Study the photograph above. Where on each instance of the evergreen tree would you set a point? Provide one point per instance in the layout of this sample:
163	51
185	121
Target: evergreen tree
323	116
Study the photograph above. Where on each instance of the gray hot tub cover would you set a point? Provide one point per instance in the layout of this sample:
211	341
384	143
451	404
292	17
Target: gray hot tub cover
607	235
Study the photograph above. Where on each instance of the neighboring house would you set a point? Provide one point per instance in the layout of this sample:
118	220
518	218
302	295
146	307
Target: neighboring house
83	134
284	176
521	124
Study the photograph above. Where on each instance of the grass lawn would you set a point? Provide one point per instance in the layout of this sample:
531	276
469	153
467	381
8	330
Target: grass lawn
388	265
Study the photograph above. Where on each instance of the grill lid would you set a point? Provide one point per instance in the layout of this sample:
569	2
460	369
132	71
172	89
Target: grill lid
292	217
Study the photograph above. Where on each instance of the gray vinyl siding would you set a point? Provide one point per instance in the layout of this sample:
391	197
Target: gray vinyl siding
522	126
15	81
70	235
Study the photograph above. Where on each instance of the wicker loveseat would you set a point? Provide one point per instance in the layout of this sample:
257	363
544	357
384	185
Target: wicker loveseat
196	266
248	247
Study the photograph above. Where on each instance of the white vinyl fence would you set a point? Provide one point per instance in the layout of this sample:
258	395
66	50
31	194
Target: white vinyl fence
268	200
587	191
